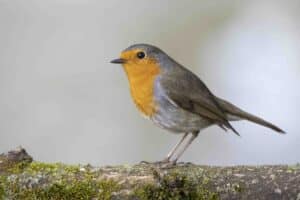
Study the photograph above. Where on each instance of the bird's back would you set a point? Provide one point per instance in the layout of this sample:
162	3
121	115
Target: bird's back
173	90
190	104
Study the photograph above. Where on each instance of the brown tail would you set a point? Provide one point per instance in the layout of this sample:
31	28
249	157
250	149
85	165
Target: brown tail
238	113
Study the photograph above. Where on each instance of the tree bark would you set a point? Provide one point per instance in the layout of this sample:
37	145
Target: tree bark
23	178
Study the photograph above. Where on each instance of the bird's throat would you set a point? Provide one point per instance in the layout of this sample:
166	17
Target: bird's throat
141	81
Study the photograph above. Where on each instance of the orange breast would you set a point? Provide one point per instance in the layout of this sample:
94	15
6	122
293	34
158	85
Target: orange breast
141	80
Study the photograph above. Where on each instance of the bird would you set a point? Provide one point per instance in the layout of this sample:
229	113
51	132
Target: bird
176	99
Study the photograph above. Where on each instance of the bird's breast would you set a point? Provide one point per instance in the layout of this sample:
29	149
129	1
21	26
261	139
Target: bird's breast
141	81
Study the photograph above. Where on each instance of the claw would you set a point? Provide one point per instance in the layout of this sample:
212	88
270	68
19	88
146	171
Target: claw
166	160
165	163
145	162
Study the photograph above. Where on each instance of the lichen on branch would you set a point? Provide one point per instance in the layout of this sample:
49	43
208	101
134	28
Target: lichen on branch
22	178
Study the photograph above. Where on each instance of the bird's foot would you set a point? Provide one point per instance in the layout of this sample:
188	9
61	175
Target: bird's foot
162	163
144	162
166	160
165	164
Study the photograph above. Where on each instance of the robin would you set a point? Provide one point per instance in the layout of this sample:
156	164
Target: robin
175	99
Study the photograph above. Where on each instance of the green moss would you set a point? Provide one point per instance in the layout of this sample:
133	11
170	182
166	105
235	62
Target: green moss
238	188
2	192
86	189
54	181
293	168
35	167
175	186
2	187
14	168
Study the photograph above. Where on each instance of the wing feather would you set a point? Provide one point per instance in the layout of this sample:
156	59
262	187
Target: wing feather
187	91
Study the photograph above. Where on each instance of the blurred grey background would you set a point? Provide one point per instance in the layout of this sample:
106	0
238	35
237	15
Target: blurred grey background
64	102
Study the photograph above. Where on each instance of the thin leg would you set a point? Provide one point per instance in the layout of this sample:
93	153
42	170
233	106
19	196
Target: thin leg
171	153
194	135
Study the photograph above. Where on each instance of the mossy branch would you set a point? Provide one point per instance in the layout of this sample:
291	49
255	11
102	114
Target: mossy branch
22	178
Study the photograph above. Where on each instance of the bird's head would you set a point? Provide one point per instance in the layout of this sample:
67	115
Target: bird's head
141	58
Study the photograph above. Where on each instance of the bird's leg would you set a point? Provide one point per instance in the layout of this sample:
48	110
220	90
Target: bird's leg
171	153
194	135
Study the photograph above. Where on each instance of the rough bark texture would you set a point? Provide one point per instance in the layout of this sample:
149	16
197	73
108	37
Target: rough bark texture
23	178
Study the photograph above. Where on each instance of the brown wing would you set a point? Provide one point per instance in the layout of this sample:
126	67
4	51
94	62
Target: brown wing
187	91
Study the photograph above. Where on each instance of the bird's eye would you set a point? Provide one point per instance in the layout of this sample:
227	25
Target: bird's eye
140	55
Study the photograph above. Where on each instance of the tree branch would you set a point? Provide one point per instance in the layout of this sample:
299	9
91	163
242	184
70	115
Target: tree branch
22	178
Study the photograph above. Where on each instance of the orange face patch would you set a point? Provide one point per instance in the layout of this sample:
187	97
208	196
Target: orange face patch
141	74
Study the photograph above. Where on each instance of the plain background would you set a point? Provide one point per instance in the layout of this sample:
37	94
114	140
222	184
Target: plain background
63	101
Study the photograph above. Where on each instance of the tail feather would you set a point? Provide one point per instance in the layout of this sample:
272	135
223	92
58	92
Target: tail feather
237	112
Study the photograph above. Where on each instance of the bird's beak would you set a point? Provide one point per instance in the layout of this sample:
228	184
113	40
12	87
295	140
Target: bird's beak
118	61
